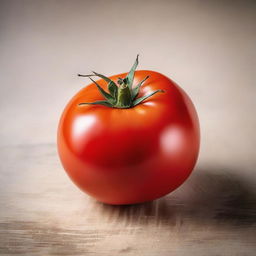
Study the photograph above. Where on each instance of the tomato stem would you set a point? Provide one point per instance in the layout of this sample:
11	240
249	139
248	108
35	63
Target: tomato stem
122	96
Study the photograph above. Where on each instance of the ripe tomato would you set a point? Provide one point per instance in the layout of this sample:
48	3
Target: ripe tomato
130	154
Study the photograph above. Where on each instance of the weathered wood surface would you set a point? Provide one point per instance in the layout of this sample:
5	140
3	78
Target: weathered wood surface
43	213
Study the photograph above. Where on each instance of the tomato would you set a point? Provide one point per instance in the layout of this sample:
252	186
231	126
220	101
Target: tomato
129	154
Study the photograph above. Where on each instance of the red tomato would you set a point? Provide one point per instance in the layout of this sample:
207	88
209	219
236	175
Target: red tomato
130	155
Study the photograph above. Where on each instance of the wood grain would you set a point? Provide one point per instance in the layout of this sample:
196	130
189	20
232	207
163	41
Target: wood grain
43	213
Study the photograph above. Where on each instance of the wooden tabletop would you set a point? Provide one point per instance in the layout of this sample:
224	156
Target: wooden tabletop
43	213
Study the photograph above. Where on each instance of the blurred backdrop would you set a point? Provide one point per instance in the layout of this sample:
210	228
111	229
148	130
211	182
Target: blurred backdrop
207	47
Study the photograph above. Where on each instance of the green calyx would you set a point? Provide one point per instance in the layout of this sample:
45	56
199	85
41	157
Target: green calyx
123	95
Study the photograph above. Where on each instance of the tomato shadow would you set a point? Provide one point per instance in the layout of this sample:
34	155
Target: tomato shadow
210	195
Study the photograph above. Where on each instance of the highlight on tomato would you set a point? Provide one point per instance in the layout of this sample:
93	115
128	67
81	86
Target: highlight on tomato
129	138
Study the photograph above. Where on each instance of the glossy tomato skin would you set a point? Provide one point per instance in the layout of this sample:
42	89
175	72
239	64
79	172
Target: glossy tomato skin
127	156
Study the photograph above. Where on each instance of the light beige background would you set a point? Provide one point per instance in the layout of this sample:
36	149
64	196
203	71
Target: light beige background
207	47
